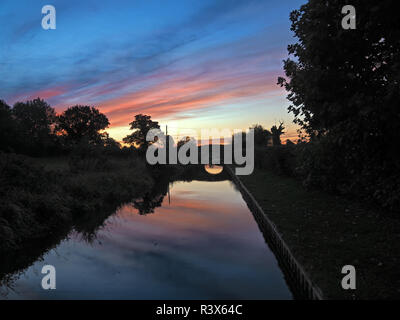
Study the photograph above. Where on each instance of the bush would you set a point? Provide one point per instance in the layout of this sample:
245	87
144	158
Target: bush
88	157
281	159
318	166
35	202
324	164
29	201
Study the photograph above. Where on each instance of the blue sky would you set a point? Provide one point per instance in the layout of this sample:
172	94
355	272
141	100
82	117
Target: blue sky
189	64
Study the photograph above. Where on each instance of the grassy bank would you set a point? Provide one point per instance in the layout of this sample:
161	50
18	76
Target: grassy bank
39	197
326	232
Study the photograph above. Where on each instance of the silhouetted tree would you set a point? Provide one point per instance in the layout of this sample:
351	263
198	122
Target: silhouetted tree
109	142
82	122
345	80
276	134
7	128
142	124
344	89
110	145
36	122
261	136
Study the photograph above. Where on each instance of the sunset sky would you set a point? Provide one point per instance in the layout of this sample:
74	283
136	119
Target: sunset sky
188	64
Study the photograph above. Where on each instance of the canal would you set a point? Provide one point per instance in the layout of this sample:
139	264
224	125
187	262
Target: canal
198	240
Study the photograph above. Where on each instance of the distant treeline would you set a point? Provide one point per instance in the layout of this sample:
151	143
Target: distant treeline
33	128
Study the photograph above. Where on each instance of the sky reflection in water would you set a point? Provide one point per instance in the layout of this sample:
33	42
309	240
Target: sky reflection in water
205	244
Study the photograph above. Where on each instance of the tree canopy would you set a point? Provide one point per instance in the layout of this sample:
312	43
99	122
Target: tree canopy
80	122
276	133
261	135
35	120
344	89
345	81
141	126
7	127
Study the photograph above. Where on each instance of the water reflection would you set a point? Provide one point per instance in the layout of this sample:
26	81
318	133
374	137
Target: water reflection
151	200
213	169
201	243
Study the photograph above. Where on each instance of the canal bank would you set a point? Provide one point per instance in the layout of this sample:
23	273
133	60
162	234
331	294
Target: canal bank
298	280
326	232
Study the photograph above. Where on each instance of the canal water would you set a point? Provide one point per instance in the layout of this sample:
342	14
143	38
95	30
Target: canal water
199	241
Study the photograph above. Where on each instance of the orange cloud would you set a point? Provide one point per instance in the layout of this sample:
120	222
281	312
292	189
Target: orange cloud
180	95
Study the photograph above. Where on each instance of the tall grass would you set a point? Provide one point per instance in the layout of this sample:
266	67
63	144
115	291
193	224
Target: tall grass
36	201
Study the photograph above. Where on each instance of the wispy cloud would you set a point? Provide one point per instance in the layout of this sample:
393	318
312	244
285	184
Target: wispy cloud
171	61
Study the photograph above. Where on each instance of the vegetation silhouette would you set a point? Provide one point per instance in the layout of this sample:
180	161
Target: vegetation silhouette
276	133
7	128
82	122
141	126
262	136
346	100
152	199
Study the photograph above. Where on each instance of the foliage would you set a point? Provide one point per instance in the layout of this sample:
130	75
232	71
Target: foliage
344	91
36	202
276	133
35	120
82	122
88	157
27	197
7	128
109	145
261	136
280	159
142	125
